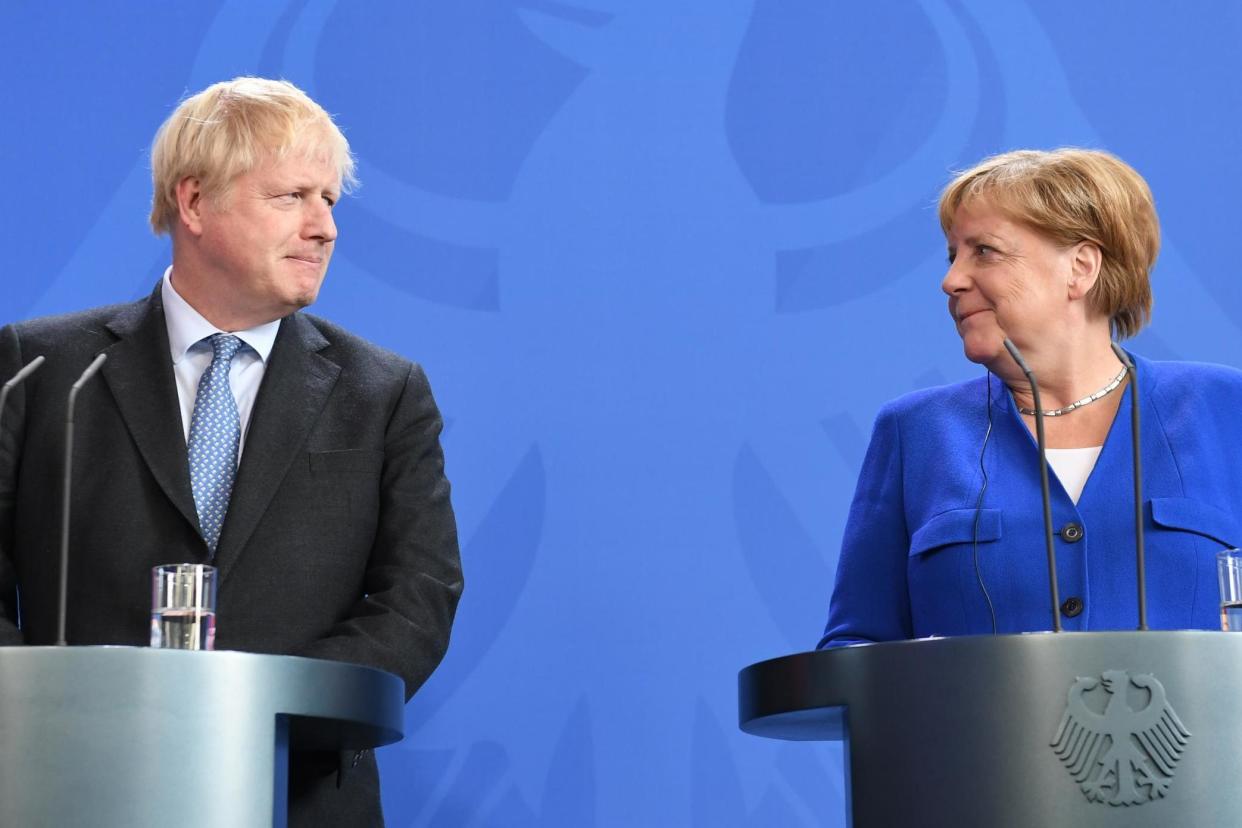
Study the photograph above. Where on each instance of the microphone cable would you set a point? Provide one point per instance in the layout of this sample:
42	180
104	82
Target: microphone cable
974	542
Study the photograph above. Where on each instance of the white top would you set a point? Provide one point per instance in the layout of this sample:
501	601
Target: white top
1073	467
191	356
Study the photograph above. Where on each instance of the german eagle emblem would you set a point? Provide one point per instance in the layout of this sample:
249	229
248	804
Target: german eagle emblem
1120	755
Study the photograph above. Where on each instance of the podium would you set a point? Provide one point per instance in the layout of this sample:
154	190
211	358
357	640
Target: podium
93	736
1129	729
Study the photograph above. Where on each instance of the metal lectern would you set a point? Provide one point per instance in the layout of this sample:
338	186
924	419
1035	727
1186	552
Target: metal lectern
1128	729
127	736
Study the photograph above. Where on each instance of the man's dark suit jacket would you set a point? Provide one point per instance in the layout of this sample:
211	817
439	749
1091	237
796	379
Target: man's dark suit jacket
339	543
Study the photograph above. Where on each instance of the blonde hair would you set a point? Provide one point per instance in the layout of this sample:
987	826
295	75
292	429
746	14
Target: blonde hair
229	129
1073	195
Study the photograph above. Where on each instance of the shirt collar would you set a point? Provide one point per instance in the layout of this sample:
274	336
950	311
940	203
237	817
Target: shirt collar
187	327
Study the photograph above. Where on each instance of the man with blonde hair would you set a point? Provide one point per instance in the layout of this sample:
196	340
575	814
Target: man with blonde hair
228	427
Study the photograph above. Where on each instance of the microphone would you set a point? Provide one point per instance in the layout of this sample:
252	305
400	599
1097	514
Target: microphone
90	371
1139	555
28	369
16	380
1043	482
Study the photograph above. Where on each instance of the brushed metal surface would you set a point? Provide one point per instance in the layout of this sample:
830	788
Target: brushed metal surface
93	736
958	731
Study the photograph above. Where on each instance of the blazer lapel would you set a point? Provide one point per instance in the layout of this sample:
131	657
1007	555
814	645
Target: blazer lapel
139	375
296	385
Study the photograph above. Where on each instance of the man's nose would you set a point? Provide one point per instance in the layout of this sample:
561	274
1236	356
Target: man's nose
320	224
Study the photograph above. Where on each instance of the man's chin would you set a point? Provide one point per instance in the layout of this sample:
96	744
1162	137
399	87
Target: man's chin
292	304
304	297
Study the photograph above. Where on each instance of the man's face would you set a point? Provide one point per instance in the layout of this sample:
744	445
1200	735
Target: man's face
266	242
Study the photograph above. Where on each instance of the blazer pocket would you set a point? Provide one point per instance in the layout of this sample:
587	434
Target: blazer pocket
1189	515
955	526
348	461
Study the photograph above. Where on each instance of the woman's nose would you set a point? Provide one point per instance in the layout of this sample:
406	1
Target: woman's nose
955	280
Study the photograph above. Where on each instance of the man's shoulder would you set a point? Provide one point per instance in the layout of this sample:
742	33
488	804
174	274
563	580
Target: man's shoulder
347	348
366	370
84	326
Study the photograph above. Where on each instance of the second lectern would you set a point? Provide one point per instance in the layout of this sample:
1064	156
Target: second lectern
1125	729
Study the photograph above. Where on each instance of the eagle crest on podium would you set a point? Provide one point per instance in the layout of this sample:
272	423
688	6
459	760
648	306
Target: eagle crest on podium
1116	753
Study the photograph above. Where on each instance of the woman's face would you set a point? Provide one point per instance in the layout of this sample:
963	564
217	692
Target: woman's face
1005	279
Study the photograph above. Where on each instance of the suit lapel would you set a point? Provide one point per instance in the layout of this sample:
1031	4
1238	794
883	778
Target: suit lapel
139	375
296	385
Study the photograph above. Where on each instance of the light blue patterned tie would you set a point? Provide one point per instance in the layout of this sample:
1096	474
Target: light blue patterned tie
215	431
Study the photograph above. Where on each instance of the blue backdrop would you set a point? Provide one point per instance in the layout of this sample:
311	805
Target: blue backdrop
662	260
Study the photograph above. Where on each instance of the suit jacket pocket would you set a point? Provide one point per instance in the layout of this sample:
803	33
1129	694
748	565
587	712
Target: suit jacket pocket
1182	544
955	526
940	571
1190	515
348	461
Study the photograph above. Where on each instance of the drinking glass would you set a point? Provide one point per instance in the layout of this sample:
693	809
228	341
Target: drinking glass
183	607
1229	573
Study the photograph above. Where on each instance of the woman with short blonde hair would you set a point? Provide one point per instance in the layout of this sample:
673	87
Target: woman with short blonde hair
1053	251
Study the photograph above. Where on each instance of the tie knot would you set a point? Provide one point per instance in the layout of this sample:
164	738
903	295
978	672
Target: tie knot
224	346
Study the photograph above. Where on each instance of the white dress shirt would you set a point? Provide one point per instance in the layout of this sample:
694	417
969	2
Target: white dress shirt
191	356
1073	467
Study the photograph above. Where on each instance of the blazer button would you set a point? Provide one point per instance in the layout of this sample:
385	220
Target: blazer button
1071	607
1071	532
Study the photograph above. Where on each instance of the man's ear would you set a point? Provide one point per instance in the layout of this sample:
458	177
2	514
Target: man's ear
1085	267
191	202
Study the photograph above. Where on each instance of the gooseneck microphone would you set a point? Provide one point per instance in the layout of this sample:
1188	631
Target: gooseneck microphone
90	371
1139	555
27	369
16	380
1043	482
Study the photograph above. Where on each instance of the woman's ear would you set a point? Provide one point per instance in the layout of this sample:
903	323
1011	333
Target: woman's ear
1085	267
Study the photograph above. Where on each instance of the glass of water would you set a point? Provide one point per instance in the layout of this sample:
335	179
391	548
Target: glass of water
1229	573
183	607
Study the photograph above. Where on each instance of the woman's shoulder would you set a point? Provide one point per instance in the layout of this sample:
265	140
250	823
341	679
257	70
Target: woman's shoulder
941	400
1190	377
937	419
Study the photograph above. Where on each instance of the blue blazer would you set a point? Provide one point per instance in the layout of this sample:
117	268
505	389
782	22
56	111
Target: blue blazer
910	551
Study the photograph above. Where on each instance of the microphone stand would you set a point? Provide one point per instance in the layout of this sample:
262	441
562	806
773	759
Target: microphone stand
64	515
28	369
14	381
1139	554
1043	482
